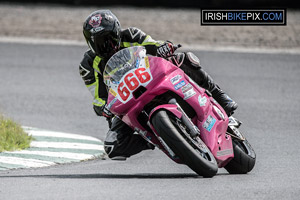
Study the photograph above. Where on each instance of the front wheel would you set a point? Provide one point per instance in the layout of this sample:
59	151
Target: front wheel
244	158
193	152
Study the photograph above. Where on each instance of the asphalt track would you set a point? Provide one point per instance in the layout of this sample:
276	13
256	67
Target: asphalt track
40	87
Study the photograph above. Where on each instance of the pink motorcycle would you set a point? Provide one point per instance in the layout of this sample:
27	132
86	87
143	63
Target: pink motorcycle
161	103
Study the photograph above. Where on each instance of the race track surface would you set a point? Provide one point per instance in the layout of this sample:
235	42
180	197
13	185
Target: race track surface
41	87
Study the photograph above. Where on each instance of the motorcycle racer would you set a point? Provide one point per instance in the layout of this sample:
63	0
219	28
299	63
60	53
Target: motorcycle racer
104	36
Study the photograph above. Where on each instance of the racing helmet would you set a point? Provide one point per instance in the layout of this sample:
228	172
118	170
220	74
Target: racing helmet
102	31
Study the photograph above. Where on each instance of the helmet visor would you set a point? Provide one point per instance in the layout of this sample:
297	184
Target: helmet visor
106	44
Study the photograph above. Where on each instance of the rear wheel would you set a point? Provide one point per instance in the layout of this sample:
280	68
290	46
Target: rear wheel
192	151
244	158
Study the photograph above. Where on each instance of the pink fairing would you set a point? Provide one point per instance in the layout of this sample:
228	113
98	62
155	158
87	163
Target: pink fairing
168	107
210	117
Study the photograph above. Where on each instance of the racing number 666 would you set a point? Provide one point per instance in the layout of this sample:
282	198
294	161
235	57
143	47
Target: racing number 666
132	81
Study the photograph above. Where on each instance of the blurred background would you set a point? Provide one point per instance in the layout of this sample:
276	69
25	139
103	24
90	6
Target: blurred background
177	21
176	3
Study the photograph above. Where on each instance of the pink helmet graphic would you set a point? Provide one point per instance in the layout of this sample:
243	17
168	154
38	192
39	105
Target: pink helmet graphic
95	20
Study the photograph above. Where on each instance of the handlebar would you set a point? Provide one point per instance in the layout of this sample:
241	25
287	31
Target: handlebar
177	46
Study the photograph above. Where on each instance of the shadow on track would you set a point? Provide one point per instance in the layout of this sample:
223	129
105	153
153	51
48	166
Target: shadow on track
109	176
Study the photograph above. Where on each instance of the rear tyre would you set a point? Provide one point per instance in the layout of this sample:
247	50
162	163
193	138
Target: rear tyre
244	158
193	152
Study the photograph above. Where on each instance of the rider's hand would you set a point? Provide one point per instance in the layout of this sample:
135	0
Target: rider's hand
103	111
165	50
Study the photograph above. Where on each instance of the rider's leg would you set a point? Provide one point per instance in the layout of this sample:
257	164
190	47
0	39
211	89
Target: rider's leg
190	64
120	142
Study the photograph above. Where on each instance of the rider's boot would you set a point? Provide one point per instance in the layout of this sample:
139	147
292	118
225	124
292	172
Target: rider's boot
121	142
191	66
222	98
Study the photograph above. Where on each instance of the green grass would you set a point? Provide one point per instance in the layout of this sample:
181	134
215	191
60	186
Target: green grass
12	136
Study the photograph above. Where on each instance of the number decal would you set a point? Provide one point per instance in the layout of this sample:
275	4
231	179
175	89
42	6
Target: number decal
132	81
123	92
142	75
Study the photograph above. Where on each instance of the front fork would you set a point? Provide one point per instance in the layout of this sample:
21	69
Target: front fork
193	130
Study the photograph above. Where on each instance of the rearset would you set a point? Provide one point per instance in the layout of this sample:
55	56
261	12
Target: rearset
233	130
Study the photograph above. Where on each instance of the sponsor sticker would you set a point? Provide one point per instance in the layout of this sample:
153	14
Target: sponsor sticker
97	29
175	79
188	91
202	100
186	88
189	94
209	123
137	64
224	152
147	62
112	103
179	85
112	92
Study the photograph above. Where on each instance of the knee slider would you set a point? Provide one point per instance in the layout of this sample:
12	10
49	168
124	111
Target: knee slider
109	149
109	142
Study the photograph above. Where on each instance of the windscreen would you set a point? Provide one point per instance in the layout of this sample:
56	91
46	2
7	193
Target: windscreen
120	63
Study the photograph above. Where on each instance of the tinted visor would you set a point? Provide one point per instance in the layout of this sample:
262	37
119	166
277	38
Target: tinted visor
106	44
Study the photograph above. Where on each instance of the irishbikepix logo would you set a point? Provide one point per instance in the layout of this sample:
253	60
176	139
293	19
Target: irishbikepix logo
243	17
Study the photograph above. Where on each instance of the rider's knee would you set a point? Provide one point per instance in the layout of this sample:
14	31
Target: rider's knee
192	60
112	151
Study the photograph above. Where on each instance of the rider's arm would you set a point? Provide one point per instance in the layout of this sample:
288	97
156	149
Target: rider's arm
92	78
135	37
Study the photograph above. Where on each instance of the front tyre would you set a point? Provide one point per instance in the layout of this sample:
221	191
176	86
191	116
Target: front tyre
193	152
244	158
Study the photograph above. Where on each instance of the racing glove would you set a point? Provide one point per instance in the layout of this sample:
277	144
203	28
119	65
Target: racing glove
103	111
165	50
